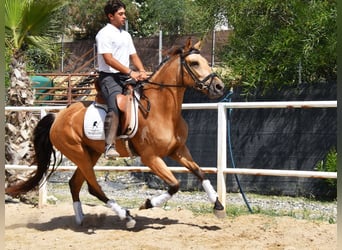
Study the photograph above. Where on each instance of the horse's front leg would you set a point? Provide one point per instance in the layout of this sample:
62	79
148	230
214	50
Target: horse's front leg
183	156
159	167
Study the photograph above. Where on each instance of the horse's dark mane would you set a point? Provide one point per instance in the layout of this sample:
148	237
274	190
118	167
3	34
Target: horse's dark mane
168	54
173	51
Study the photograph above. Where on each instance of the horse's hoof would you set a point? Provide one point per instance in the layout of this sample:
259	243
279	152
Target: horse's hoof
219	210
79	220
146	205
79	223
130	223
220	213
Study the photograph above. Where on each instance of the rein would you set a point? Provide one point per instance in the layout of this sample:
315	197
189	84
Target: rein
163	85
200	84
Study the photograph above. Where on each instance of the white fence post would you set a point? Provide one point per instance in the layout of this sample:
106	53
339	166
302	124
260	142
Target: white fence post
221	152
43	183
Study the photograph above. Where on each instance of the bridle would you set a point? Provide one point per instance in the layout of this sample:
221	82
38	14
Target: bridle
199	84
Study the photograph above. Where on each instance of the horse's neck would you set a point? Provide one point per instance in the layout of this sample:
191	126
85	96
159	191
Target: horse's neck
170	97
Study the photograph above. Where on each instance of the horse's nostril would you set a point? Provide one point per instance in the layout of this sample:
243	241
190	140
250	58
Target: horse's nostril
219	86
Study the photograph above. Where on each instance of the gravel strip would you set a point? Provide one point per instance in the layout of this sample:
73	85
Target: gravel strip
126	187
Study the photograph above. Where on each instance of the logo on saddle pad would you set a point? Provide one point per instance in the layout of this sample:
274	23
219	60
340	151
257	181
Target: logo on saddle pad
96	113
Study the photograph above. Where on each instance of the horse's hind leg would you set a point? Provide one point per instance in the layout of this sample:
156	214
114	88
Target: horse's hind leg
75	185
85	161
159	168
183	156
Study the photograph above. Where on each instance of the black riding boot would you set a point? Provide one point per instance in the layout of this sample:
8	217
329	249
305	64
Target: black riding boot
111	125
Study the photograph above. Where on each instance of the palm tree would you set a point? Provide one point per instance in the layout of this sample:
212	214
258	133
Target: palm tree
27	22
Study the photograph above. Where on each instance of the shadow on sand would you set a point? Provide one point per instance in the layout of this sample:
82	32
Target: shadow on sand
92	222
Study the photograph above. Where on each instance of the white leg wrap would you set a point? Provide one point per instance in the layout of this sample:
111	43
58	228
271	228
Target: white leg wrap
160	200
117	209
78	212
209	190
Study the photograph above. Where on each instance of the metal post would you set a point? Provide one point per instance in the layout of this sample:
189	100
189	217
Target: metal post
62	56
213	49
69	90
221	152
95	56
160	46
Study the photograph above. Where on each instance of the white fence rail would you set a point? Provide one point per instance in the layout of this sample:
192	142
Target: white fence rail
221	168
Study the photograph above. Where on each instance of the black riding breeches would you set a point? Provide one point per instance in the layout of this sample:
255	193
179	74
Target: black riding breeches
111	86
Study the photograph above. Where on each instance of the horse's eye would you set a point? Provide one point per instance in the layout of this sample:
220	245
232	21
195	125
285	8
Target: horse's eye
194	64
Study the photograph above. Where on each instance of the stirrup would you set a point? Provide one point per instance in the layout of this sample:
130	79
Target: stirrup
111	153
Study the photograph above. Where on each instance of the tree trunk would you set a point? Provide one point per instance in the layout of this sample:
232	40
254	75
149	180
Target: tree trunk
19	124
20	93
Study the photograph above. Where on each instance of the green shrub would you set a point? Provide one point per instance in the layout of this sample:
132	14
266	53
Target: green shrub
329	164
39	61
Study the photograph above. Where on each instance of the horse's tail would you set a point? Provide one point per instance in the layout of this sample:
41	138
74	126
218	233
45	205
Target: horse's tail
43	149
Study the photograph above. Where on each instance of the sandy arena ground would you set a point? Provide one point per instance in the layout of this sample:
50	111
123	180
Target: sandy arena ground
53	227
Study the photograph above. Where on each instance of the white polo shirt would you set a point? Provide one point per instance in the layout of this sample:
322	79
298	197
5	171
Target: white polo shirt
116	41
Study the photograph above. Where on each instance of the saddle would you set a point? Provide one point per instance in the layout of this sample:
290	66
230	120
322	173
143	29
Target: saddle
127	107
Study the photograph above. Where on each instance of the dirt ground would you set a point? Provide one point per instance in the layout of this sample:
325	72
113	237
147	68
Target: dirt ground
53	227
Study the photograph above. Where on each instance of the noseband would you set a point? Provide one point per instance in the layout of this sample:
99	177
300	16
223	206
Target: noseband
199	84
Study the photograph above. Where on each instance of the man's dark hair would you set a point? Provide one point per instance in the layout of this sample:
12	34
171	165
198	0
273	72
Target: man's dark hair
113	6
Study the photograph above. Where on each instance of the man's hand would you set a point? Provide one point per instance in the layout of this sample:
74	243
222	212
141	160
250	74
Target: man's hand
138	75
142	75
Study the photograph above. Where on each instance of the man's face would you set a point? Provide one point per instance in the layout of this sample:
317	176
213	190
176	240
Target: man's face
118	18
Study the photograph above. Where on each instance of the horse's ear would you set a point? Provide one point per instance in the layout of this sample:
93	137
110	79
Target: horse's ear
198	45
188	44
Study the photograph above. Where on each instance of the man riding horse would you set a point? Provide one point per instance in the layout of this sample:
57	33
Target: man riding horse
115	50
162	131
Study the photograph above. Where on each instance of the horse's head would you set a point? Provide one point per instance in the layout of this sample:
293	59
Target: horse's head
197	73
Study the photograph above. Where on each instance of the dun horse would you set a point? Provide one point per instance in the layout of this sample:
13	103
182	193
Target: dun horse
162	132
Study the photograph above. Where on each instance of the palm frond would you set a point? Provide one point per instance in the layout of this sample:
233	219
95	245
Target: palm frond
41	42
14	12
25	18
38	18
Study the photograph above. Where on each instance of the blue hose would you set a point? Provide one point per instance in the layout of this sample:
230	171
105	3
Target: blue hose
228	98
